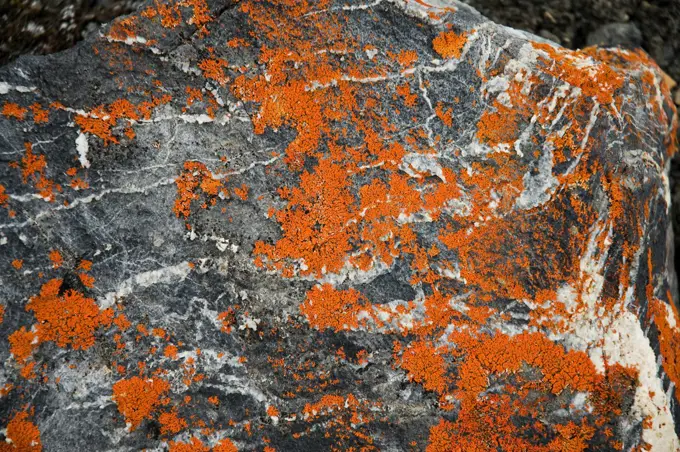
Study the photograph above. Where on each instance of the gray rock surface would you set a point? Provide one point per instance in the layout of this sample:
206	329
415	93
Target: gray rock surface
335	226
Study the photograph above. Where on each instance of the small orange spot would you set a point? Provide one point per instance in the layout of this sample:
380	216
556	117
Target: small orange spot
449	44
12	110
55	257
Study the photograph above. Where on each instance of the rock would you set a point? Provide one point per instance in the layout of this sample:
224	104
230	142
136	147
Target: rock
616	34
323	226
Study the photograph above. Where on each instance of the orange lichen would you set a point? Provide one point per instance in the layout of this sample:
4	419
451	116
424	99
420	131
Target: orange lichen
272	411
55	257
201	13
4	197
316	224
138	398
225	445
449	44
70	319
101	120
194	445
596	79
40	115
21	435
87	280
12	110
425	364
33	167
213	68
445	115
196	178
669	338
17	264
241	192
171	423
327	307
22	343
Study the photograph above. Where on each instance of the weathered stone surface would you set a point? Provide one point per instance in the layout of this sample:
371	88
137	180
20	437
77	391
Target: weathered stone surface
335	226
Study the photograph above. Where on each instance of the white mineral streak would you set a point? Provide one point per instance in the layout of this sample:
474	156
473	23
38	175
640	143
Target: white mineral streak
666	189
423	8
539	187
82	147
617	337
421	163
165	275
6	88
132	40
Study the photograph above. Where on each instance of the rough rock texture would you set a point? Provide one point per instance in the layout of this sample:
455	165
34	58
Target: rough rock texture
282	225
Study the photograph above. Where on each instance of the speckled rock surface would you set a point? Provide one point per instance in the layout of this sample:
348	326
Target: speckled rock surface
302	226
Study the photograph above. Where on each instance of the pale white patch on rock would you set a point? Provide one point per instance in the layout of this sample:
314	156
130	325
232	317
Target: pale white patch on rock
82	147
421	163
165	275
6	88
538	187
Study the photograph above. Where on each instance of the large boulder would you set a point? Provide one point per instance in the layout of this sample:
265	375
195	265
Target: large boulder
318	225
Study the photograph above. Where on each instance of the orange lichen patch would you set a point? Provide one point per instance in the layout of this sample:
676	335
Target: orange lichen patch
138	398
2	313
316	224
33	167
6	389
241	192
101	120
22	343
17	264
669	338
213	68
87	280
193	95
407	58
225	445
21	435
40	115
122	29
343	417
28	371
425	365
272	411
56	258
610	388
194	445
12	110
70	319
327	307
171	423
449	44
4	197
122	322
237	42
595	78
405	92
486	420
196	178
502	354
201	13
445	115
499	126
